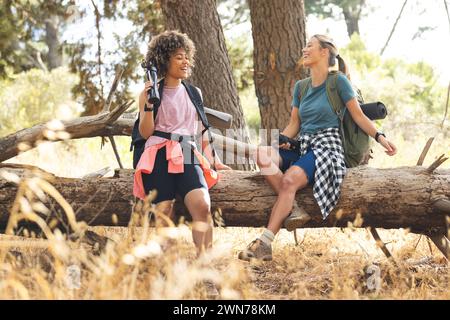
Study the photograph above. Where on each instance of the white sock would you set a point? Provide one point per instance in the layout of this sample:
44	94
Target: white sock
267	237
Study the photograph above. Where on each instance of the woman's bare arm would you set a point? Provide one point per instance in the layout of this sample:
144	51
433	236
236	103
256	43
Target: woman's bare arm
146	123
367	126
293	126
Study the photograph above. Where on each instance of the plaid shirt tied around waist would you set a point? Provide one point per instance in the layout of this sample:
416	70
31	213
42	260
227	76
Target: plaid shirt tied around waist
330	166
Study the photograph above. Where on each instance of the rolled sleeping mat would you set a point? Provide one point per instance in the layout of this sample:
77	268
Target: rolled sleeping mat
374	110
219	119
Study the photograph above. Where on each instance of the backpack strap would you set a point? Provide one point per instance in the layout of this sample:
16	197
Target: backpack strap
304	85
333	94
197	100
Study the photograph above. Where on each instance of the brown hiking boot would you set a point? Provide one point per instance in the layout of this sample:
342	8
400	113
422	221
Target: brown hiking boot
296	219
256	250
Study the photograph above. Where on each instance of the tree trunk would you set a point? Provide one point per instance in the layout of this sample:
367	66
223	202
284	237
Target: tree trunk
212	72
387	198
278	29
352	21
54	56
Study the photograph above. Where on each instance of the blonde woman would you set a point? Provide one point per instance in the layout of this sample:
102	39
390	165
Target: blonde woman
320	160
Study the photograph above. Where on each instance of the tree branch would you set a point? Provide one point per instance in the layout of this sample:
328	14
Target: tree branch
393	28
107	105
83	127
99	48
425	151
437	163
446	106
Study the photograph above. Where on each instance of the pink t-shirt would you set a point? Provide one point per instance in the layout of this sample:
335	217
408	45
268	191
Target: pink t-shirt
176	114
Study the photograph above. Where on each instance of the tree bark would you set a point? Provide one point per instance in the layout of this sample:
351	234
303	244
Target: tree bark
54	56
278	29
386	198
351	20
212	72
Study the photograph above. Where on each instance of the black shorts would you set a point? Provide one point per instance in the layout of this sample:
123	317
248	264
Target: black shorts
168	184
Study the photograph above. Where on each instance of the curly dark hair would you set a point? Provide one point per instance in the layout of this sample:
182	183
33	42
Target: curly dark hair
162	46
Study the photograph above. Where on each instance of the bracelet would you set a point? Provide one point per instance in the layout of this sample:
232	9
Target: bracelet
378	134
148	109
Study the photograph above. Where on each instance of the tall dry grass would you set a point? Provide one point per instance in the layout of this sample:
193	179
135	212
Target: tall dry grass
329	264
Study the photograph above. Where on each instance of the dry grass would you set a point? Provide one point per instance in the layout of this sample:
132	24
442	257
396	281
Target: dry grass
161	264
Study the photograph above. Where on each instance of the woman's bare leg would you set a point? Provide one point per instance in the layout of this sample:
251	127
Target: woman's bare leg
198	203
269	161
293	180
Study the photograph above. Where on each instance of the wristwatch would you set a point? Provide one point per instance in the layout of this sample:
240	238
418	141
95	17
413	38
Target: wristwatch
148	109
378	134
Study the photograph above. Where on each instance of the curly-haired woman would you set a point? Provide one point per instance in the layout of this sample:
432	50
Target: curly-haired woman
171	163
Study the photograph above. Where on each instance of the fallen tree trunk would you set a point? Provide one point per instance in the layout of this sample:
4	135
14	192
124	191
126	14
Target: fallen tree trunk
405	197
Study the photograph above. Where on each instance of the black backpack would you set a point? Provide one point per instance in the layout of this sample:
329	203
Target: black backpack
138	142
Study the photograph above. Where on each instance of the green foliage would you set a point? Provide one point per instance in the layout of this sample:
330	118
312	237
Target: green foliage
250	108
351	10
25	43
361	59
146	20
411	92
333	8
34	97
233	12
241	56
11	31
25	37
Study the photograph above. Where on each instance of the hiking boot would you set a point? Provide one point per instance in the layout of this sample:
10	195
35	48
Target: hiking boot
298	218
256	250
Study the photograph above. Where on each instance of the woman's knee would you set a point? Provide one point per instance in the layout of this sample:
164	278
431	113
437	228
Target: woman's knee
201	210
198	203
291	182
203	206
287	184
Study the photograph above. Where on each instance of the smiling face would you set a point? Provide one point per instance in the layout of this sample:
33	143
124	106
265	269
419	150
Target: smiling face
179	65
171	49
313	53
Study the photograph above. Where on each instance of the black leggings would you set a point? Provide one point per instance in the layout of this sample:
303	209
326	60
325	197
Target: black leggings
168	184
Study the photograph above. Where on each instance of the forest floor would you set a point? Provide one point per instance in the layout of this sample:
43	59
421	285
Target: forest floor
329	263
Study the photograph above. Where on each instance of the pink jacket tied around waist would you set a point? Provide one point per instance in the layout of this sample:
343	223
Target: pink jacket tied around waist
175	158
